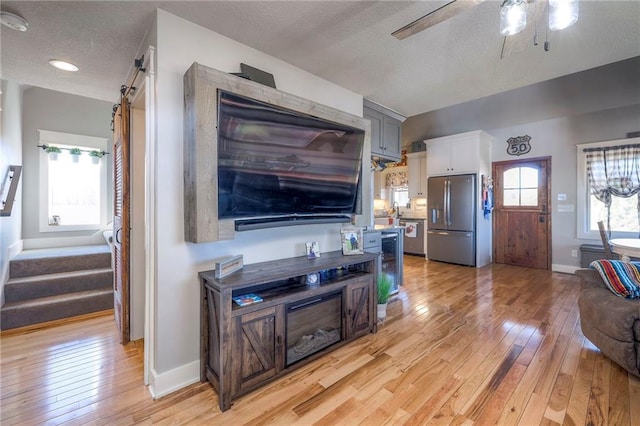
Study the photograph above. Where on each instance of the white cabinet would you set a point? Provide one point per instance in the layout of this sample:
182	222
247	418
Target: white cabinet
417	163
457	154
378	185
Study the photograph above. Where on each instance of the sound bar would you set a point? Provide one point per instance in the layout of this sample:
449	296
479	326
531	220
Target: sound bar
276	222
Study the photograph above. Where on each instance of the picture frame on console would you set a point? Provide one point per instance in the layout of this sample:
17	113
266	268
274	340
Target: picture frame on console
351	238
312	250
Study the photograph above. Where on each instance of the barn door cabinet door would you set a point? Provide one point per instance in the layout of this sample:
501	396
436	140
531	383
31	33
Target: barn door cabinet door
359	308
259	348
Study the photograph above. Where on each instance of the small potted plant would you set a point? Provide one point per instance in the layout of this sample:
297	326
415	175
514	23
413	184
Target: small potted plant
53	152
75	152
96	156
384	291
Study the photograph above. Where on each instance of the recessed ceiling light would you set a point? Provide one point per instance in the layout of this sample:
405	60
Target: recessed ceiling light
63	65
13	21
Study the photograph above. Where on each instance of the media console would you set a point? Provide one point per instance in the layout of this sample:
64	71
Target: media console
297	321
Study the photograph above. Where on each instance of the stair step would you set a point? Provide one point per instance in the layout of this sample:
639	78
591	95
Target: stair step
43	309
37	286
57	260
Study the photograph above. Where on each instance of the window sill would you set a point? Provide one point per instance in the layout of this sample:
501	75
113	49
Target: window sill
71	228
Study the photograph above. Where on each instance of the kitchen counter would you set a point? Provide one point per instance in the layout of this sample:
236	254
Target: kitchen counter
397	228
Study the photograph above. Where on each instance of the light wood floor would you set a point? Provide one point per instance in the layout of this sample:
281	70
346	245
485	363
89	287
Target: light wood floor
496	345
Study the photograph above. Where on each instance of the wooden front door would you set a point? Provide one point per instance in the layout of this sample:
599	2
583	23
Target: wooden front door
121	211
522	220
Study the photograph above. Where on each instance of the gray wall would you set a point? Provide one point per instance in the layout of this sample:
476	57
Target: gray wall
10	154
594	105
60	112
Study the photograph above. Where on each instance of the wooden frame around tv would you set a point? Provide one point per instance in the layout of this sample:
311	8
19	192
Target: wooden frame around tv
201	86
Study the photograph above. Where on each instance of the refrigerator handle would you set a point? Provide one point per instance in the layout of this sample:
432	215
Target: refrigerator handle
447	196
445	204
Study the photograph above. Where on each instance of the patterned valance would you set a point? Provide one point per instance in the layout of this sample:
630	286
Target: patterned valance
397	179
614	171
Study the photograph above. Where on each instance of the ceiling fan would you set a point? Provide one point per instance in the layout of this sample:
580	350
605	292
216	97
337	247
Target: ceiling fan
511	44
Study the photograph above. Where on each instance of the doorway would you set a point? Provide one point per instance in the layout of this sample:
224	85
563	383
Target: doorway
141	167
522	220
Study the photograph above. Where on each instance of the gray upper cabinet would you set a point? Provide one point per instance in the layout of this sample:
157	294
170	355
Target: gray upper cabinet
386	131
391	142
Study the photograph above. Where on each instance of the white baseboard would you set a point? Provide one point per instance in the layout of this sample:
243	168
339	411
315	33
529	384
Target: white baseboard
566	269
164	383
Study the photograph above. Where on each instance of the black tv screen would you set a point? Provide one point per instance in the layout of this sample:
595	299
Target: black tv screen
275	162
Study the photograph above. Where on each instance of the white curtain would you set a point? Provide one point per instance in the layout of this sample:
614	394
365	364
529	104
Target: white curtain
614	172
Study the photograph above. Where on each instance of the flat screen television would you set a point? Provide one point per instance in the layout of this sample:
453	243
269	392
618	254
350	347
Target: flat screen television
277	166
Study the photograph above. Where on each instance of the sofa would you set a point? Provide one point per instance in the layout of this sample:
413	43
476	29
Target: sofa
610	322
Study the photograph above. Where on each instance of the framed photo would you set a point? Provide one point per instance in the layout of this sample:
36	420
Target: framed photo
352	242
313	250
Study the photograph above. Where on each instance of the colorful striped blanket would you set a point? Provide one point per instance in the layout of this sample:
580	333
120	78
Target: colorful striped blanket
622	278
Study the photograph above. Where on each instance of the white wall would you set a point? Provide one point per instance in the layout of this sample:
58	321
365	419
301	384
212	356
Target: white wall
10	154
61	112
177	323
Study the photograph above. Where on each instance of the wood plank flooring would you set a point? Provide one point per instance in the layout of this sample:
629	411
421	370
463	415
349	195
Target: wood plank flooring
495	345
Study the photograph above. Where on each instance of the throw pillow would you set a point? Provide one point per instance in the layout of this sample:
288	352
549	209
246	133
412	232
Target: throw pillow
622	278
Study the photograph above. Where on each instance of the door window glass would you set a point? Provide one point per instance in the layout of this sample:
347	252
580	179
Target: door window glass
520	186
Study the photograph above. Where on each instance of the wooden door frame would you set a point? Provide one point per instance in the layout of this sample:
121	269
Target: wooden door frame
547	160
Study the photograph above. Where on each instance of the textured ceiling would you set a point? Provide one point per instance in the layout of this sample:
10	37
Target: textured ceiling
348	43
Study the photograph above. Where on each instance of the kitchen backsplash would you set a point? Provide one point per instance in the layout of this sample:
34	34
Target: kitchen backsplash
417	209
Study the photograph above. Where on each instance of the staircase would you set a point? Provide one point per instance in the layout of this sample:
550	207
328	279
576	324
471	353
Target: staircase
51	284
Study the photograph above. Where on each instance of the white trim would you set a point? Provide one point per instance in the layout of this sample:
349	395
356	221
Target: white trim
150	218
565	269
172	380
582	189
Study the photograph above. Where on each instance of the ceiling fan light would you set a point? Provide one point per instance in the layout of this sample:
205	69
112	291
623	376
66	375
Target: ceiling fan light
513	17
63	65
562	14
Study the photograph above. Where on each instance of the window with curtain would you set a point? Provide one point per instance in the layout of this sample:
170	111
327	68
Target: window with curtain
610	183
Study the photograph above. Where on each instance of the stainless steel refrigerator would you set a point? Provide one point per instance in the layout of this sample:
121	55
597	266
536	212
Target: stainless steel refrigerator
451	217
